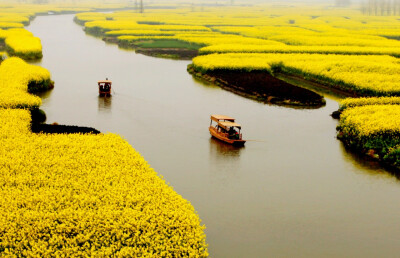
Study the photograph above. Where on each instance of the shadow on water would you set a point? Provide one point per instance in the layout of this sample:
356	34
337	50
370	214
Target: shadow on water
263	88
368	165
44	94
91	35
104	104
316	87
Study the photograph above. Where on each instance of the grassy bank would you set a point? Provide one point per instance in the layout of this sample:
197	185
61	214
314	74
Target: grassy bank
165	44
164	48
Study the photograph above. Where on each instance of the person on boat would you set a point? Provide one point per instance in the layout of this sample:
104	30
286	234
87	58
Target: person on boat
232	133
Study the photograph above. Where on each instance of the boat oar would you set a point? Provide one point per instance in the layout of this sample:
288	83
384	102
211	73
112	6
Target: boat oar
255	141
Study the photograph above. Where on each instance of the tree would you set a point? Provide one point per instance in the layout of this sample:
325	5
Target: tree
342	3
382	4
381	7
41	1
388	7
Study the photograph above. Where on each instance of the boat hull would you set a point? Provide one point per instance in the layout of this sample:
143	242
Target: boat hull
223	137
104	93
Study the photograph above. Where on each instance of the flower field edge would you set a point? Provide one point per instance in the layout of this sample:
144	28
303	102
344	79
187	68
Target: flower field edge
373	129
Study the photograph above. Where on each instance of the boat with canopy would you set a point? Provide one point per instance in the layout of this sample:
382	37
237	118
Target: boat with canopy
225	128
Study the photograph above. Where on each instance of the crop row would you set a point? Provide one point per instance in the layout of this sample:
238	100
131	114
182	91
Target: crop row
282	48
104	26
366	101
202	39
315	28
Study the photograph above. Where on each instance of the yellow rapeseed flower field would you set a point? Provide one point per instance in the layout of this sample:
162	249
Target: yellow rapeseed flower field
316	27
7	17
368	75
73	194
15	76
140	33
55	204
371	120
109	25
8	25
373	129
278	47
354	102
87	195
23	46
82	195
14	32
259	37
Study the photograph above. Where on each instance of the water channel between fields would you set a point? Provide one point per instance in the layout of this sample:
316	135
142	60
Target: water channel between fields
296	192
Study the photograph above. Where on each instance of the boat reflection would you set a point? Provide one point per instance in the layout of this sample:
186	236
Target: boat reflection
224	163
104	103
223	150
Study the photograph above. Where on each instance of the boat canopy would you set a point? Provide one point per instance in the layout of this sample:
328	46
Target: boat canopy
228	124
218	118
106	81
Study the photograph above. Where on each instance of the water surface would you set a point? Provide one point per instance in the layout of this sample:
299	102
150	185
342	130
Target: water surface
293	192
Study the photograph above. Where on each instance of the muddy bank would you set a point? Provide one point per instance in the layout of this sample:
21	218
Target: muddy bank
261	86
62	129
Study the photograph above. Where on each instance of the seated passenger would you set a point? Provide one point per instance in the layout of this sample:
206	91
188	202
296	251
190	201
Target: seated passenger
231	133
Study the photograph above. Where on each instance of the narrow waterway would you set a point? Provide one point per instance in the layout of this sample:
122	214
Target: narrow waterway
293	192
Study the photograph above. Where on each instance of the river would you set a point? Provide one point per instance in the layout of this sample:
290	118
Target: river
292	192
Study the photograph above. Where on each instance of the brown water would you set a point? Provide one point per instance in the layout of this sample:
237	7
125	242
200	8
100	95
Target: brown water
295	192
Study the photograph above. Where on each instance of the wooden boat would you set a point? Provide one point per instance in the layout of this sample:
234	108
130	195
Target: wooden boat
104	88
226	130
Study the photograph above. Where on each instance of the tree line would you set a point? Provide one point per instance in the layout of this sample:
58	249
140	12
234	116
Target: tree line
381	7
139	6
